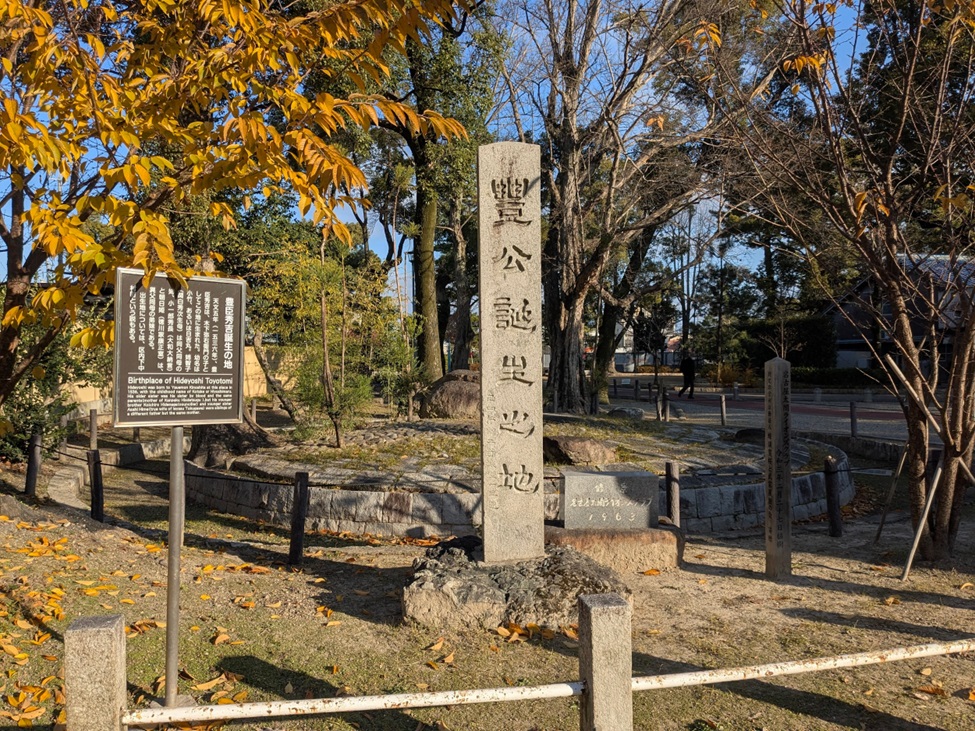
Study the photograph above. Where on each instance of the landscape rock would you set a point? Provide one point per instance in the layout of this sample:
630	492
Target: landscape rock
455	396
577	450
451	589
627	412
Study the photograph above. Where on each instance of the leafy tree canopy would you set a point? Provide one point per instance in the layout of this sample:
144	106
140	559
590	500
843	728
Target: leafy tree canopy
117	112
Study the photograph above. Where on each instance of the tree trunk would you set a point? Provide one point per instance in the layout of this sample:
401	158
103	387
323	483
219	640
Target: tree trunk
606	342
273	384
463	332
567	387
426	277
328	384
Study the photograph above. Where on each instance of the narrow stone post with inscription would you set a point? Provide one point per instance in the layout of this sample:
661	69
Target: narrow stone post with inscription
778	469
509	217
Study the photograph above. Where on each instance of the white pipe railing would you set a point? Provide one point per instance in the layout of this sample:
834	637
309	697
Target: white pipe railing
143	717
794	667
146	716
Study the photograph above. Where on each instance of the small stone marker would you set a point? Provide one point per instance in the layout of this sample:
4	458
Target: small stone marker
509	219
606	663
610	500
94	672
778	469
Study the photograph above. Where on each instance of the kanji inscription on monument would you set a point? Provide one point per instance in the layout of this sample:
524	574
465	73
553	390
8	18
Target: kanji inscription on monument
179	351
511	351
610	500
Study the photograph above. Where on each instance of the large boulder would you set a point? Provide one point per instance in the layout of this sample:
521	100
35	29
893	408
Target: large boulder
452	589
455	396
577	451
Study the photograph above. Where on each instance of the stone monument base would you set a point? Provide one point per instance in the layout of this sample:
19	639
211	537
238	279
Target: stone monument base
624	551
451	589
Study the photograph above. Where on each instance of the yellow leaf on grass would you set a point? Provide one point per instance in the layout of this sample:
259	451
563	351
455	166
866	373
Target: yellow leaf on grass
210	684
971	694
220	638
967	585
448	660
435	647
432	664
503	631
652	572
891	600
925	671
333	623
935	690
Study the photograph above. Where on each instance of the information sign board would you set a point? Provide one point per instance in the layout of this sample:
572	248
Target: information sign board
179	352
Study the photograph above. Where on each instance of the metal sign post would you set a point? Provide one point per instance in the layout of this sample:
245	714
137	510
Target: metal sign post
179	360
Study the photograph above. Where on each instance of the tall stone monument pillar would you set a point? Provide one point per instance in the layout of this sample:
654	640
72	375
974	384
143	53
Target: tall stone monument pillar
509	217
778	469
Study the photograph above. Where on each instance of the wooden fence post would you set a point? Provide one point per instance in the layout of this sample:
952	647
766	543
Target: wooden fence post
33	465
299	512
672	488
93	429
97	487
832	477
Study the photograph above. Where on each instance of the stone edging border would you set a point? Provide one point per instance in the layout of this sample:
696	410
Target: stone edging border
416	514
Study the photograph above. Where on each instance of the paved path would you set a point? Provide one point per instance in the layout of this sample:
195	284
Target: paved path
880	419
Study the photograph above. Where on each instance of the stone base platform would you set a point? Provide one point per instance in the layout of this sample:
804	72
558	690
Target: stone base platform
450	588
626	552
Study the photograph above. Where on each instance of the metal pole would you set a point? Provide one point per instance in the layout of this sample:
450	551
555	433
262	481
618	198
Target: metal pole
177	501
724	411
93	429
890	492
831	476
299	511
33	465
923	523
853	419
97	486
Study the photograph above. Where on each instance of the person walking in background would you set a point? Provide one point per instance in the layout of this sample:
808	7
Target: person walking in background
687	367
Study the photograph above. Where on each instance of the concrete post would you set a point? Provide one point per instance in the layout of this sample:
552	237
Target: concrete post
605	663
94	673
778	469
